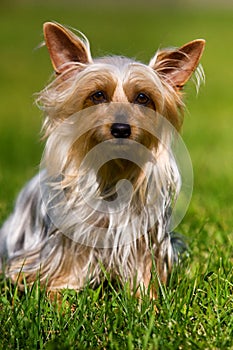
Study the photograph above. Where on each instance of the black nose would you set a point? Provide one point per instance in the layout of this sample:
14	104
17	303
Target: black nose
119	130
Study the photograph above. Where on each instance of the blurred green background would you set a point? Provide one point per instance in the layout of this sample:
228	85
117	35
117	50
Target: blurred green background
136	29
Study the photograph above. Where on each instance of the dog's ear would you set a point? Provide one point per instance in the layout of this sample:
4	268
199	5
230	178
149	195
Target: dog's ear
176	66
65	48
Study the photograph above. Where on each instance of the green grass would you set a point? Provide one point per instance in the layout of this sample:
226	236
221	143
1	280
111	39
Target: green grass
196	308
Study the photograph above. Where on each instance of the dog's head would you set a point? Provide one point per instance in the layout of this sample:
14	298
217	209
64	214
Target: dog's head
83	81
117	98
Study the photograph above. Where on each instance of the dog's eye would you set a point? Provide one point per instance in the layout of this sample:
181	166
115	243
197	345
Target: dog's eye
98	97
142	99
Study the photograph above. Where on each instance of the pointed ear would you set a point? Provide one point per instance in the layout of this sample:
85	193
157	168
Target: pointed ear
65	48
177	66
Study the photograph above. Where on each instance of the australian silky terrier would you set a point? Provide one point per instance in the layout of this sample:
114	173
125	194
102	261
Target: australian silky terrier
103	199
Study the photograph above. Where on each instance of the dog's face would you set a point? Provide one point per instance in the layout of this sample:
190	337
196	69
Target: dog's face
122	97
83	82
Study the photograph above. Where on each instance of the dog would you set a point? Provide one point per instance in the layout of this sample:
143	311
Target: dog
102	201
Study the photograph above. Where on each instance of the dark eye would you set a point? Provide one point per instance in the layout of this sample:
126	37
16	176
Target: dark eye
98	97
142	99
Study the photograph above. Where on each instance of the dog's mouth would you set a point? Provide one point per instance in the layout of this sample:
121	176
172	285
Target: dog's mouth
121	145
